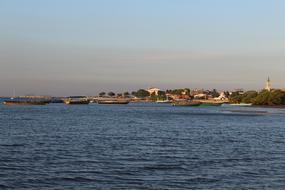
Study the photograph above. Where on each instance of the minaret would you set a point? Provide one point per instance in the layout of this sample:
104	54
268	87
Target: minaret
268	85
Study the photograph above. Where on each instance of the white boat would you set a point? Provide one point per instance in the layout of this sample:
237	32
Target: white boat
241	104
163	101
12	98
76	100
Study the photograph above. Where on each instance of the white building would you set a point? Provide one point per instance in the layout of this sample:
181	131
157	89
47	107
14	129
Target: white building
221	97
268	85
201	96
152	90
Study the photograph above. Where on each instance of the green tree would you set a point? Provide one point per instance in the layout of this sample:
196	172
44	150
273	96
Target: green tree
168	91
141	93
276	97
262	98
249	96
126	94
215	93
153	96
102	94
235	97
227	94
111	94
161	95
177	91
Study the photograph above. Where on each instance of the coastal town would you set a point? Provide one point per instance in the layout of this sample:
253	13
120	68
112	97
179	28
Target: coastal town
146	94
179	97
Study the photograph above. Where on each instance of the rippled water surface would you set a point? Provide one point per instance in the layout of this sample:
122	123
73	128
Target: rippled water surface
141	146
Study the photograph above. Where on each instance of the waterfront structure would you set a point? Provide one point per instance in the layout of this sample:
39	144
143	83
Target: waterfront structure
36	97
114	101
25	102
201	96
268	85
154	90
186	103
222	97
77	100
177	96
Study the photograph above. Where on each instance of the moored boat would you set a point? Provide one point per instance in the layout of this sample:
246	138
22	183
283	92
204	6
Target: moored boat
25	102
56	100
163	101
76	101
186	103
113	101
241	104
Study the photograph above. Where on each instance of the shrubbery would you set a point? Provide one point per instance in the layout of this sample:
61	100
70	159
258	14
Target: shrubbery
274	97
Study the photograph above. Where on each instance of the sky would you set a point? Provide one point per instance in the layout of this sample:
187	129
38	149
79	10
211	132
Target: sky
83	47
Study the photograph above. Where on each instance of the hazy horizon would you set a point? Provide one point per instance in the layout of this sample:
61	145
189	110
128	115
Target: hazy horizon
71	47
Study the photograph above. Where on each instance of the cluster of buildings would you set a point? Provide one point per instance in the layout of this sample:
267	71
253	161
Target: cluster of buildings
187	94
200	94
203	94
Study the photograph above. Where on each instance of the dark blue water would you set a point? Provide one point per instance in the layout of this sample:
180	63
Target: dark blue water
141	146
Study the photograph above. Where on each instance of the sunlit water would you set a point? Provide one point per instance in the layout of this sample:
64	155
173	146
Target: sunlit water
141	146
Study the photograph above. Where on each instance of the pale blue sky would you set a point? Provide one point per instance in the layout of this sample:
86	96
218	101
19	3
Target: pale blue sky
63	47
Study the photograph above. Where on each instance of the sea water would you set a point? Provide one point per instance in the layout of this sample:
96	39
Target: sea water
141	146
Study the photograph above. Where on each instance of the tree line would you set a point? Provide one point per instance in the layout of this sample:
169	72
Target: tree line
161	95
265	97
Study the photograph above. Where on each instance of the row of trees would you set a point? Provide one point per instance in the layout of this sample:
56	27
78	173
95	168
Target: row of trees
186	91
141	93
112	94
179	91
161	95
274	97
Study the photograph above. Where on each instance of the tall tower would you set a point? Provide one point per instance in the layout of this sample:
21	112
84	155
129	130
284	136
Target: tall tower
268	85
